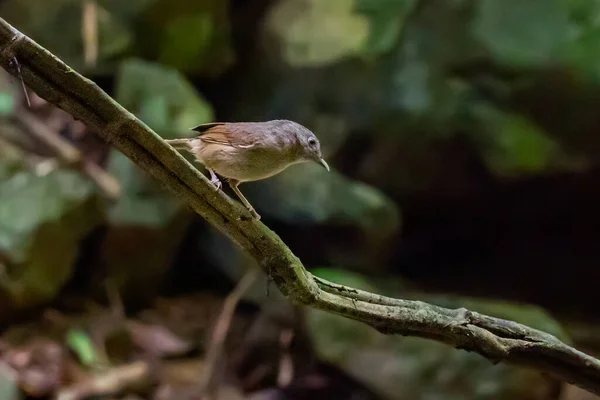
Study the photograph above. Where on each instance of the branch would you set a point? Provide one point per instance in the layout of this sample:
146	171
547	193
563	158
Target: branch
496	339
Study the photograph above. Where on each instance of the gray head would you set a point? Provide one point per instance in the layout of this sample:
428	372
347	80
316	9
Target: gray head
308	147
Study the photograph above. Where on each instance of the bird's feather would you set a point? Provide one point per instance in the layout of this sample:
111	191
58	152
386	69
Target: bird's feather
204	127
224	134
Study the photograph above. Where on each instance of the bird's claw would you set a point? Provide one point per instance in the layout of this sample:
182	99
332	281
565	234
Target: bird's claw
217	183
254	214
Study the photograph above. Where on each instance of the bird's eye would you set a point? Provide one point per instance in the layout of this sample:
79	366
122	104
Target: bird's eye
312	141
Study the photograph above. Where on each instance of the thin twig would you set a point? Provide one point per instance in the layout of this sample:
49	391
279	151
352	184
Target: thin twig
493	338
17	67
69	154
114	381
219	333
89	32
286	364
114	299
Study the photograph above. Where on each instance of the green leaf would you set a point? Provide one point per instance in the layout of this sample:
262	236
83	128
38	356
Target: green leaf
7	94
435	39
386	18
80	342
7	104
519	33
9	384
308	194
298	26
162	97
192	36
42	221
584	37
512	144
187	41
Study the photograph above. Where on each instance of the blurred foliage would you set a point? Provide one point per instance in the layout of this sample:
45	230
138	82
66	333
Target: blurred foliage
44	218
516	34
161	97
7	101
9	388
308	194
386	19
191	36
80	342
427	98
303	44
40	19
512	145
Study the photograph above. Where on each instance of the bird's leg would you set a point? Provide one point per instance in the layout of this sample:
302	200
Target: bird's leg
214	179
234	185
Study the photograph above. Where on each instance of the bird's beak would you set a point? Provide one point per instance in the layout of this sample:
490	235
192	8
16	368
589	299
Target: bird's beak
324	163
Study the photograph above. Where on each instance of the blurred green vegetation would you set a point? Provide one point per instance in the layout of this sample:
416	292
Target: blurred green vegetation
427	99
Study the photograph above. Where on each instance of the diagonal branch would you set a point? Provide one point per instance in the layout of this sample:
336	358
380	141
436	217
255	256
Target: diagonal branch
496	339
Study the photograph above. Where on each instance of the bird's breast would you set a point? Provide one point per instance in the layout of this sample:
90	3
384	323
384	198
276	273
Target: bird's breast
243	164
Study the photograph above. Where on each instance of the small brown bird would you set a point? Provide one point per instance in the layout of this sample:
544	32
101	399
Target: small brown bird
250	151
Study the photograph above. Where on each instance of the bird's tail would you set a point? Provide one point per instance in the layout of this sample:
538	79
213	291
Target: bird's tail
180	144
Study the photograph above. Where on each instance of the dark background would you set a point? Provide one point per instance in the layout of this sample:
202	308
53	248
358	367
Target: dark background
463	140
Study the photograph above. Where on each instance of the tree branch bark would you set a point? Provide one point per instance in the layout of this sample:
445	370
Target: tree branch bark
493	338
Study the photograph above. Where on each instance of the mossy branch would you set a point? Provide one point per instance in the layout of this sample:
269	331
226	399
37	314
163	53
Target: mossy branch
493	338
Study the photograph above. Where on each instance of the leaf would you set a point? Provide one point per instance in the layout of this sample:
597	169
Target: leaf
162	97
513	145
519	33
584	37
192	36
297	24
7	95
7	104
42	221
9	385
386	19
417	73
309	195
80	342
187	41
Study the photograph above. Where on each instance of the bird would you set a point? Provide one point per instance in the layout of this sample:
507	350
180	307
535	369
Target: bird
250	151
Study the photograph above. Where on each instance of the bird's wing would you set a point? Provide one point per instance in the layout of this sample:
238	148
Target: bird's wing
221	133
204	127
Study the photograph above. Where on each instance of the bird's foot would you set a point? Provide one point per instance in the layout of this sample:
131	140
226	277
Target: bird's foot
216	183
214	179
254	214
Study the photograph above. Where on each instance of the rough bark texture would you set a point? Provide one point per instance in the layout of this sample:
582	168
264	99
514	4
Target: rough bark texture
496	339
